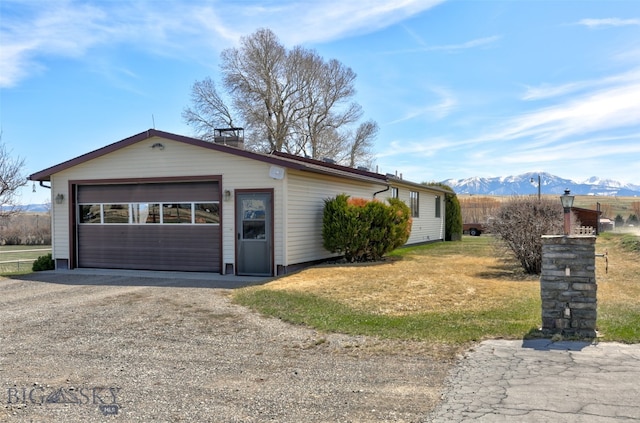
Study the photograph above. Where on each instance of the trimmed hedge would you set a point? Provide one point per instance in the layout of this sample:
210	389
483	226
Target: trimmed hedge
364	230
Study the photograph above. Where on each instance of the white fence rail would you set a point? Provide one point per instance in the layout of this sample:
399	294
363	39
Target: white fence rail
584	230
25	263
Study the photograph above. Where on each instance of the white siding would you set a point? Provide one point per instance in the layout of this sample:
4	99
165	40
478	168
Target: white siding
305	204
426	227
175	160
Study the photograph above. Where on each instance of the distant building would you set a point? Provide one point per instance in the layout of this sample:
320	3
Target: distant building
588	217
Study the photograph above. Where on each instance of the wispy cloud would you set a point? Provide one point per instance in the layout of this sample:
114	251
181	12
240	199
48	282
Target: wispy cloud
322	21
448	48
58	30
605	109
445	104
599	23
545	91
34	31
600	122
479	42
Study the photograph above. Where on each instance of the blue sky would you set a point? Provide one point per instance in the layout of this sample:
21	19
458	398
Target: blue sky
459	88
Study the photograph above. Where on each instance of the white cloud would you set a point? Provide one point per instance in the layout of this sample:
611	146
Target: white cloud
56	31
446	103
545	91
67	28
597	23
599	125
321	21
479	42
582	149
448	48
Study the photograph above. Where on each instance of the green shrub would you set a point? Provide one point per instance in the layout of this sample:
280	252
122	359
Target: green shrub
364	230
631	243
43	263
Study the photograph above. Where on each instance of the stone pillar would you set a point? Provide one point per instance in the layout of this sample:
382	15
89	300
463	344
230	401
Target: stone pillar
568	285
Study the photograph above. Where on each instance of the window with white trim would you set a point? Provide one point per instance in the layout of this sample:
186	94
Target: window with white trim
192	213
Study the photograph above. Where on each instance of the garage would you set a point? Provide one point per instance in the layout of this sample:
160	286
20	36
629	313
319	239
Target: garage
162	201
148	225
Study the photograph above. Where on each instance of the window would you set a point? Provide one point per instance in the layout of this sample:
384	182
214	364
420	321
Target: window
394	193
90	213
254	225
205	212
115	213
145	213
176	213
438	206
414	204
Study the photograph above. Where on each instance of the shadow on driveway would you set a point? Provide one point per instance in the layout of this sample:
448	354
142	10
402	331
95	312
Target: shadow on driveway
116	277
549	345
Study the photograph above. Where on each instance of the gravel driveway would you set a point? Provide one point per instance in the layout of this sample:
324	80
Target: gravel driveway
82	348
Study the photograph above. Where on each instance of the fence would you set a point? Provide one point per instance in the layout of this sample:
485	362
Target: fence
584	230
22	261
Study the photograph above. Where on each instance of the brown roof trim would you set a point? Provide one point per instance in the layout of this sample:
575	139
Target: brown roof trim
586	210
331	165
284	160
397	181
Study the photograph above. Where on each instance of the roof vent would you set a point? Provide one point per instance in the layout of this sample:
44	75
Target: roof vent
233	137
328	160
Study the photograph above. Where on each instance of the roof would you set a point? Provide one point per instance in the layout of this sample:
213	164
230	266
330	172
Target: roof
582	210
276	158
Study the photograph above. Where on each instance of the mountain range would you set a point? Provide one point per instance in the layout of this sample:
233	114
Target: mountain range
527	184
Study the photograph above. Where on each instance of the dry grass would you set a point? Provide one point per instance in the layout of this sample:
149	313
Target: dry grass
414	284
619	289
447	292
620	286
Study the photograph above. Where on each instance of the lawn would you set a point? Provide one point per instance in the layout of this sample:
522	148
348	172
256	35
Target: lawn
452	293
18	259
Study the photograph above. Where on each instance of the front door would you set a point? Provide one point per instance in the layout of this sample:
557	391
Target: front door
254	233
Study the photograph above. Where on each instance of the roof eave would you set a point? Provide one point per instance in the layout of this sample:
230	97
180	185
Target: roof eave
287	162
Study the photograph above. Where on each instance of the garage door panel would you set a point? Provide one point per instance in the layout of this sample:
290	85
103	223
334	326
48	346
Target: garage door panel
150	247
148	192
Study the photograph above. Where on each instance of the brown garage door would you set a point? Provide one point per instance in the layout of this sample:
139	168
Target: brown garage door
150	226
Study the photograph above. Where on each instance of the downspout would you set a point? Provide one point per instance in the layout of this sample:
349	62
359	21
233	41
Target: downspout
44	186
381	191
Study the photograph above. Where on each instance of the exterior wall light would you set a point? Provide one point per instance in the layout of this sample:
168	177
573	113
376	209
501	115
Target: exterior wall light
59	198
567	203
227	195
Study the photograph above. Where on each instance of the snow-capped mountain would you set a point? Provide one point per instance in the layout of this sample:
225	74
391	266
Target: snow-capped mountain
527	184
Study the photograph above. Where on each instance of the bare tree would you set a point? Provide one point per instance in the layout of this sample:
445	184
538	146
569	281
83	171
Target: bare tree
635	207
209	110
520	224
360	148
11	179
287	100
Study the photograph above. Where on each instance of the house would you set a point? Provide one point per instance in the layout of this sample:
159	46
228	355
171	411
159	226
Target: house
161	201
